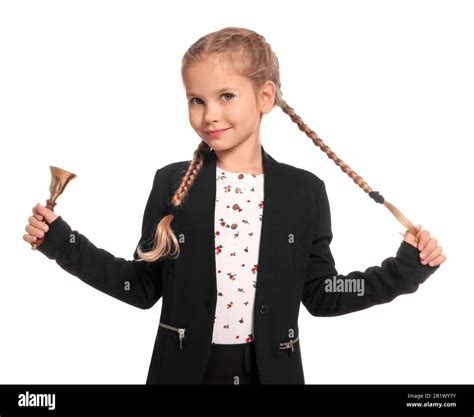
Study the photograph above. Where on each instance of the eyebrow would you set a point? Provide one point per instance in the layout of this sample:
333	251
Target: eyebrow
217	92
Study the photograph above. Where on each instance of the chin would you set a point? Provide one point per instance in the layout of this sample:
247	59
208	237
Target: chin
221	145
218	144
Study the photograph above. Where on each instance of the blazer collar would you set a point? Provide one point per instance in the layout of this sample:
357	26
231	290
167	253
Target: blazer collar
204	187
210	160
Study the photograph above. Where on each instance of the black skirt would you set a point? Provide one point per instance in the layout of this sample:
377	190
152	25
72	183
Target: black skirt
233	364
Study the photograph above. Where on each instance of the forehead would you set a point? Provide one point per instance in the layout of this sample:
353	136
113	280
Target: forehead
208	76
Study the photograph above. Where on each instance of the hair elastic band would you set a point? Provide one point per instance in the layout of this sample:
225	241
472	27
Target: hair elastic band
378	198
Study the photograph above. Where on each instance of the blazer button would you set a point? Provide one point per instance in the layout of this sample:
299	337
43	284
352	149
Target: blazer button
263	309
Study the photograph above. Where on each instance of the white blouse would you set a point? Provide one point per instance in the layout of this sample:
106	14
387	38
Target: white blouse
238	220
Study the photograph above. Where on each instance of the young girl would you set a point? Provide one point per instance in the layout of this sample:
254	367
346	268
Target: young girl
233	240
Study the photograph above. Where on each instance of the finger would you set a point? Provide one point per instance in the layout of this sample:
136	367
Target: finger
424	237
39	225
433	255
429	247
48	214
29	238
36	214
34	231
408	237
438	261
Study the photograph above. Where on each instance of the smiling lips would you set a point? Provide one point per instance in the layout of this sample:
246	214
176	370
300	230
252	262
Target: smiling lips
216	133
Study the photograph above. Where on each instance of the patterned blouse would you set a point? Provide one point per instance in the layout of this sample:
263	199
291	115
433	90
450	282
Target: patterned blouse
238	220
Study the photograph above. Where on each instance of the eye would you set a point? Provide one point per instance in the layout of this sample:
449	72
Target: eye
192	100
230	96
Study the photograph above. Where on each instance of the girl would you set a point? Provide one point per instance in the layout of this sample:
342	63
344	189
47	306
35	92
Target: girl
234	240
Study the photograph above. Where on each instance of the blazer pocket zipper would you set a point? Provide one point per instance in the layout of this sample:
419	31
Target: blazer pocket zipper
178	330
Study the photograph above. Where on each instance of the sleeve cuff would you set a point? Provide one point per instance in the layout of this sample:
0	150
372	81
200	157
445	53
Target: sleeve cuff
56	239
409	257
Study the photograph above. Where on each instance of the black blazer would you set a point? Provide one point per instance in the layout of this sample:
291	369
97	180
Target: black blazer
294	262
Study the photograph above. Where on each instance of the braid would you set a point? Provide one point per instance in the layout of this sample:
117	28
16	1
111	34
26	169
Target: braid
190	176
344	167
325	148
165	242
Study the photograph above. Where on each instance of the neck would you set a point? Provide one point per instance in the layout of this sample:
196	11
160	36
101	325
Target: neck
246	157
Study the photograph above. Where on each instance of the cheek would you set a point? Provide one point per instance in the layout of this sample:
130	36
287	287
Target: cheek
244	114
194	118
238	113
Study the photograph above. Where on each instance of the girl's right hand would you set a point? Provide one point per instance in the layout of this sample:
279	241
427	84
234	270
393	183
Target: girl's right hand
36	228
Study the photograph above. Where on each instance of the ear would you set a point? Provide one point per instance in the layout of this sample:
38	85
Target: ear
266	97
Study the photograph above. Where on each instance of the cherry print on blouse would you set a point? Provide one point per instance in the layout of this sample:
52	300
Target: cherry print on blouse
260	205
227	188
222	222
237	207
229	305
219	249
231	276
241	320
255	269
249	339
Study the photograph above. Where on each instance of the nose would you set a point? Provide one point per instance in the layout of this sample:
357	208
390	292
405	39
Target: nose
212	113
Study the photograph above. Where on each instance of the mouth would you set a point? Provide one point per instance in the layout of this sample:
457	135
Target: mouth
216	133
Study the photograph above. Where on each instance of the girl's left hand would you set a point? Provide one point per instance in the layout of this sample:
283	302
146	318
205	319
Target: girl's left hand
430	251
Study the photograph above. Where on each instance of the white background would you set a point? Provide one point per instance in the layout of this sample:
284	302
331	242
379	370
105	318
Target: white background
94	87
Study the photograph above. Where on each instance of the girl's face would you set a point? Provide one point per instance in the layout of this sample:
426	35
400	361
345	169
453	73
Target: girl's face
219	100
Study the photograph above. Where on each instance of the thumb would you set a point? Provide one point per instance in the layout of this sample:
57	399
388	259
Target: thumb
410	238
47	214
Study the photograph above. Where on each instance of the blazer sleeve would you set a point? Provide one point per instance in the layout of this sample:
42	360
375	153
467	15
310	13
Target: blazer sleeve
135	282
397	275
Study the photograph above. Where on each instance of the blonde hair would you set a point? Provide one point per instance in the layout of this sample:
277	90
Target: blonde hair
247	53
